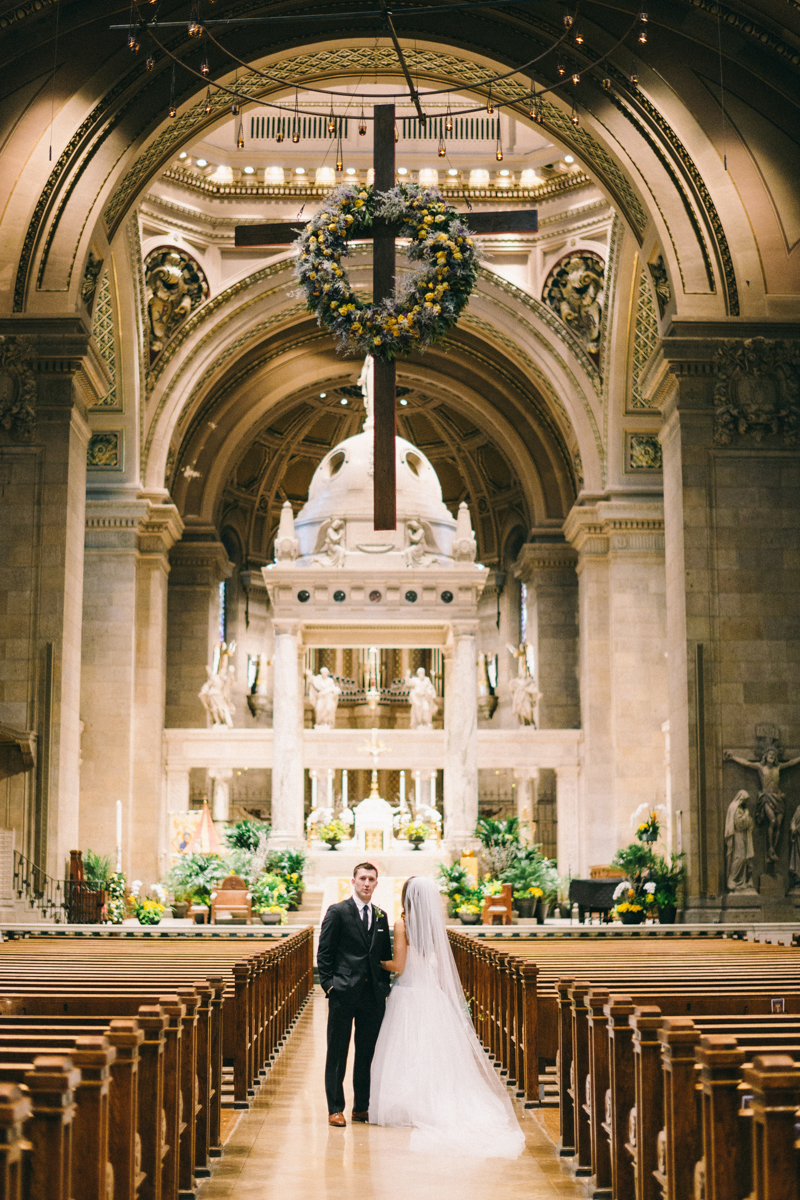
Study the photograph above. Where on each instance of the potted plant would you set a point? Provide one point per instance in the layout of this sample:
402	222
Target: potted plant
500	842
193	877
455	883
181	903
633	904
147	911
416	833
332	833
470	913
527	901
668	877
270	898
117	904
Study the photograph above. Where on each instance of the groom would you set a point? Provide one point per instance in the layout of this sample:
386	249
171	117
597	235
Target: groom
352	943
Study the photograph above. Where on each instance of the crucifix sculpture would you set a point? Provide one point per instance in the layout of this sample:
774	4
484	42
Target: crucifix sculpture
283	233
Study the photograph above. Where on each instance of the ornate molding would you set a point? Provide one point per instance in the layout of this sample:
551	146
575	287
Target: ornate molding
757	393
610	527
537	557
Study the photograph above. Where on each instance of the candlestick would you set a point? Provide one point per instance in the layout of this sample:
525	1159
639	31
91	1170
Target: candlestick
417	790
119	836
433	789
345	796
313	790
330	787
402	791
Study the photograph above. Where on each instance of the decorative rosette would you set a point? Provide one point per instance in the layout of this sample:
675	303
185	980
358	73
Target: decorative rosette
428	301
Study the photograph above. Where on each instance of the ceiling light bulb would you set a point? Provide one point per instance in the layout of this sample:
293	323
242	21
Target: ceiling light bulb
322	395
505	172
182	154
402	170
568	158
350	171
202	162
299	170
453	171
249	170
343	400
404	403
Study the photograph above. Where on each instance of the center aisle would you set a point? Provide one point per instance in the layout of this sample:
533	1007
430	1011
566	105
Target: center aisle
285	1148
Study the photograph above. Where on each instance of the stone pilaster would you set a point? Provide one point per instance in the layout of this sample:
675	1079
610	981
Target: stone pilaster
623	686
199	563
460	743
49	371
547	568
124	679
731	485
287	736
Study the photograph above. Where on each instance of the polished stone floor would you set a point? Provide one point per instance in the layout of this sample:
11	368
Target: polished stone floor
284	1148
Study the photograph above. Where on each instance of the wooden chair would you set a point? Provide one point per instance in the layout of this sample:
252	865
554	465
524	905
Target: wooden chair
231	898
497	909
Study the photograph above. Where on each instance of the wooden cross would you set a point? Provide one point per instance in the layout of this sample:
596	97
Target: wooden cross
283	233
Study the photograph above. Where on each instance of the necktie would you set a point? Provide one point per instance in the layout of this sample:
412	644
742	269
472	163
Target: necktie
365	917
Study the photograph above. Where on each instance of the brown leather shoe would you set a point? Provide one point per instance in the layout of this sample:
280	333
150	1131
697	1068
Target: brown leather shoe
337	1119
360	1116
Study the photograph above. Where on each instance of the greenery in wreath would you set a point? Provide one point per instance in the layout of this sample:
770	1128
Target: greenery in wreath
428	301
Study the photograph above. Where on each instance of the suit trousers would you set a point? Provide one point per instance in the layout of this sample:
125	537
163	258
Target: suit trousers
366	1010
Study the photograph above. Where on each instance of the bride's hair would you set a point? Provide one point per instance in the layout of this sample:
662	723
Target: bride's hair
403	904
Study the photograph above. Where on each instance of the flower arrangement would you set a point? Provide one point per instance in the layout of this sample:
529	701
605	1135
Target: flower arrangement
269	894
647	830
334	832
428	302
416	831
116	904
147	911
631	900
531	893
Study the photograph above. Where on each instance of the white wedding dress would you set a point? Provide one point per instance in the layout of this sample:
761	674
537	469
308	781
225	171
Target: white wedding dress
429	1069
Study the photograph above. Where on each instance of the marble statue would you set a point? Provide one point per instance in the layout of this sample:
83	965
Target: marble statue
771	807
416	552
215	694
324	693
524	693
366	381
330	551
794	848
422	697
739	852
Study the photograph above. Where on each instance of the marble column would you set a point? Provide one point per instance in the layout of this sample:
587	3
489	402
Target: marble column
53	367
460	736
623	671
178	789
575	843
287	736
526	780
547	568
127	544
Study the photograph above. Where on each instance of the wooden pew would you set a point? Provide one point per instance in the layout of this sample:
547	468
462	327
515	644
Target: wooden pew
15	1108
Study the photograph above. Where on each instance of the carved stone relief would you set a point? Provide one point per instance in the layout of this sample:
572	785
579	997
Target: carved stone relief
17	388
658	272
175	284
91	274
757	393
643	452
575	289
104	451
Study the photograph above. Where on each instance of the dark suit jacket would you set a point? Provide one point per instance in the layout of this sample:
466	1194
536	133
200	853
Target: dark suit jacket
348	956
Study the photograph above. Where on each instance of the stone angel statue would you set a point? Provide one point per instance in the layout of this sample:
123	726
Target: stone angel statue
330	550
215	694
420	544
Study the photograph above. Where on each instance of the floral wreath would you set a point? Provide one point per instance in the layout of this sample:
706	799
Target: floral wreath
424	306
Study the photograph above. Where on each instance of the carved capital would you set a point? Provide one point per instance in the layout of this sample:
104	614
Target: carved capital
607	528
757	391
17	388
552	563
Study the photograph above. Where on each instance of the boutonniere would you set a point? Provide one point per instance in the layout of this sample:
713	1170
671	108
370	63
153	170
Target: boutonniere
378	911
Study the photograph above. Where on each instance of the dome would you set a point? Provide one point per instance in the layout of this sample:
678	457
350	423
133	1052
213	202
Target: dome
341	488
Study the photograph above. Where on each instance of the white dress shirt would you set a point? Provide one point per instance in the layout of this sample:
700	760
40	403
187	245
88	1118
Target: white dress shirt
361	905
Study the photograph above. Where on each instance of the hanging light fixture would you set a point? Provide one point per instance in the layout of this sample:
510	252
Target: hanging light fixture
574	118
331	120
240	138
133	43
207	106
568	19
279	134
205	69
607	84
448	121
536	113
498	152
236	108
561	69
642	36
579	38
362	124
172	110
442	151
296	121
576	78
149	63
489	104
194	28
339	155
396	132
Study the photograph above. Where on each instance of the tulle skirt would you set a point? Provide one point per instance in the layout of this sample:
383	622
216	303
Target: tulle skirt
430	1072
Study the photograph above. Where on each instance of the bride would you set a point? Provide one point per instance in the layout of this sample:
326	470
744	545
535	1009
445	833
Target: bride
429	1069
